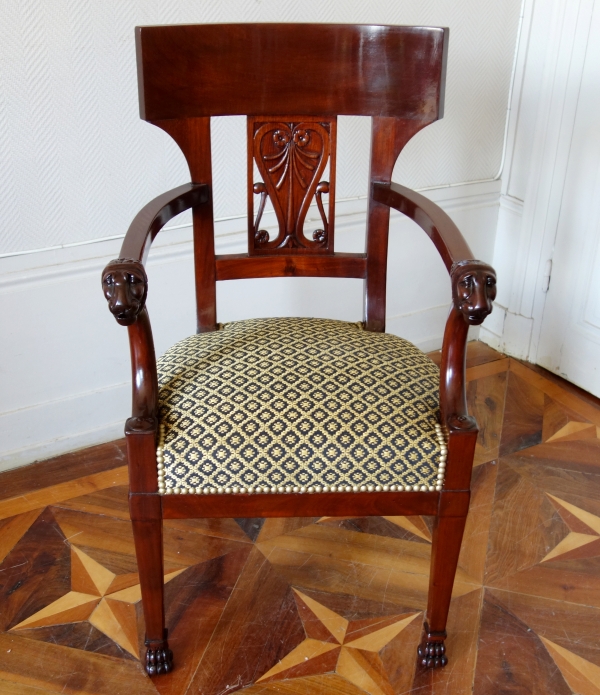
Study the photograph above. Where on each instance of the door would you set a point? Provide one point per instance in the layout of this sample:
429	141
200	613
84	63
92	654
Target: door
570	330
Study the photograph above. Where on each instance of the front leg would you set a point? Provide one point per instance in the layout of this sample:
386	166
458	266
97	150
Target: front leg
146	520
446	541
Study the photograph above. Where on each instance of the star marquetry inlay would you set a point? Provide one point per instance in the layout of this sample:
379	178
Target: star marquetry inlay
582	676
334	644
575	430
583	540
100	597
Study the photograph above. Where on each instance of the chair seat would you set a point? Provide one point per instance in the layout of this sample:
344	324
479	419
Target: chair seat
298	405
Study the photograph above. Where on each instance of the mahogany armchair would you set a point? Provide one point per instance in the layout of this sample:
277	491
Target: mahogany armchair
295	417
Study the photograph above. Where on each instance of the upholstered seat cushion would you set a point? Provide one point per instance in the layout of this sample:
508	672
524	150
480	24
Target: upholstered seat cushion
294	405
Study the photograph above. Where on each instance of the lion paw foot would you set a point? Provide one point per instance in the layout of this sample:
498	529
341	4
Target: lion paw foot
433	654
432	650
159	660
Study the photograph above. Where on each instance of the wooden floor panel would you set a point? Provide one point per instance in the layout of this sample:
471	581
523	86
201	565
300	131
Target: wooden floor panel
321	606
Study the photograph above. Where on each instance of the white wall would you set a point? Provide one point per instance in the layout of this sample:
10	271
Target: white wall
76	164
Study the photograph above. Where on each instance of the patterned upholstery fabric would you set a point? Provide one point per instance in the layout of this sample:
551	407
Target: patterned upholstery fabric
294	405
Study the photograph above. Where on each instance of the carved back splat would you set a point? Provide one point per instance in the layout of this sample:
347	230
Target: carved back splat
291	154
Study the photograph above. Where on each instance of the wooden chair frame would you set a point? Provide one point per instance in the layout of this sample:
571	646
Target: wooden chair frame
178	72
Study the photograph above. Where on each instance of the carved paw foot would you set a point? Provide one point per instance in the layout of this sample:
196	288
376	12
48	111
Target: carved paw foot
159	659
432	650
432	654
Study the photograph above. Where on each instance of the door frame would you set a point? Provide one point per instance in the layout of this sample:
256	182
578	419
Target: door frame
515	325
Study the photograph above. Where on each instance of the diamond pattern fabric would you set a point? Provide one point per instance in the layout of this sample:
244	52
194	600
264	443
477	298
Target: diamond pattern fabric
294	405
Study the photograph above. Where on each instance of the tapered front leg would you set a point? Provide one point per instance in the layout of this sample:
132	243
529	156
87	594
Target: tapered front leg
447	538
147	534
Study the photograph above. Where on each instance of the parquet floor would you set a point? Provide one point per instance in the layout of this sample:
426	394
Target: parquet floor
321	605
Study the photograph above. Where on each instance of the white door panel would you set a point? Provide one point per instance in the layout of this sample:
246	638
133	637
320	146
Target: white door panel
570	332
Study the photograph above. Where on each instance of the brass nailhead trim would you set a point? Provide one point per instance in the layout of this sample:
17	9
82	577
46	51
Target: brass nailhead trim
299	490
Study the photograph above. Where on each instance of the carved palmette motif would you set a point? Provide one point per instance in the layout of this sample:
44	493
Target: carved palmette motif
291	155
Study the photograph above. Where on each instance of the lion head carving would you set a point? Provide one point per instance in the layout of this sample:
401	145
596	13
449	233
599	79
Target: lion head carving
473	289
125	286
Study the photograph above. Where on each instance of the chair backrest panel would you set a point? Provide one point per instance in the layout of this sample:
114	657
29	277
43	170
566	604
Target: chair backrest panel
185	71
291	154
291	81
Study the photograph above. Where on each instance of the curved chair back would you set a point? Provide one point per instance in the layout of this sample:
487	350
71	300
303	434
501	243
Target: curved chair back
291	81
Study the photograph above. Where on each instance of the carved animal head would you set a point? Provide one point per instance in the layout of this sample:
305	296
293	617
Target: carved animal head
473	290
125	286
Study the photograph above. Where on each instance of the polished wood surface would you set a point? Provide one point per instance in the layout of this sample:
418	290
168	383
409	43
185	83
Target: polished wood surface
321	605
339	265
291	154
282	505
192	135
292	81
207	70
388	138
153	217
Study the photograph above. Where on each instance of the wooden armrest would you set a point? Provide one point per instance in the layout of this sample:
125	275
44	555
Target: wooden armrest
125	286
124	279
473	293
153	217
438	226
473	282
144	378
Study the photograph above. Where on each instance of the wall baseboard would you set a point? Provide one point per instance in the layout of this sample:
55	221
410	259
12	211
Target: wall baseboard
56	427
63	445
508	332
68	383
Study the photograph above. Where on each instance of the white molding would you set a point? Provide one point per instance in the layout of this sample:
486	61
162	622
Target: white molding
571	73
516	338
556	117
344	207
507	332
57	263
521	54
494	325
511	204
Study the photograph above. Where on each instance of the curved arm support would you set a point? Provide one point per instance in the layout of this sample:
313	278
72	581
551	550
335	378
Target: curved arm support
438	226
125	286
124	280
144	409
453	382
153	217
473	293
